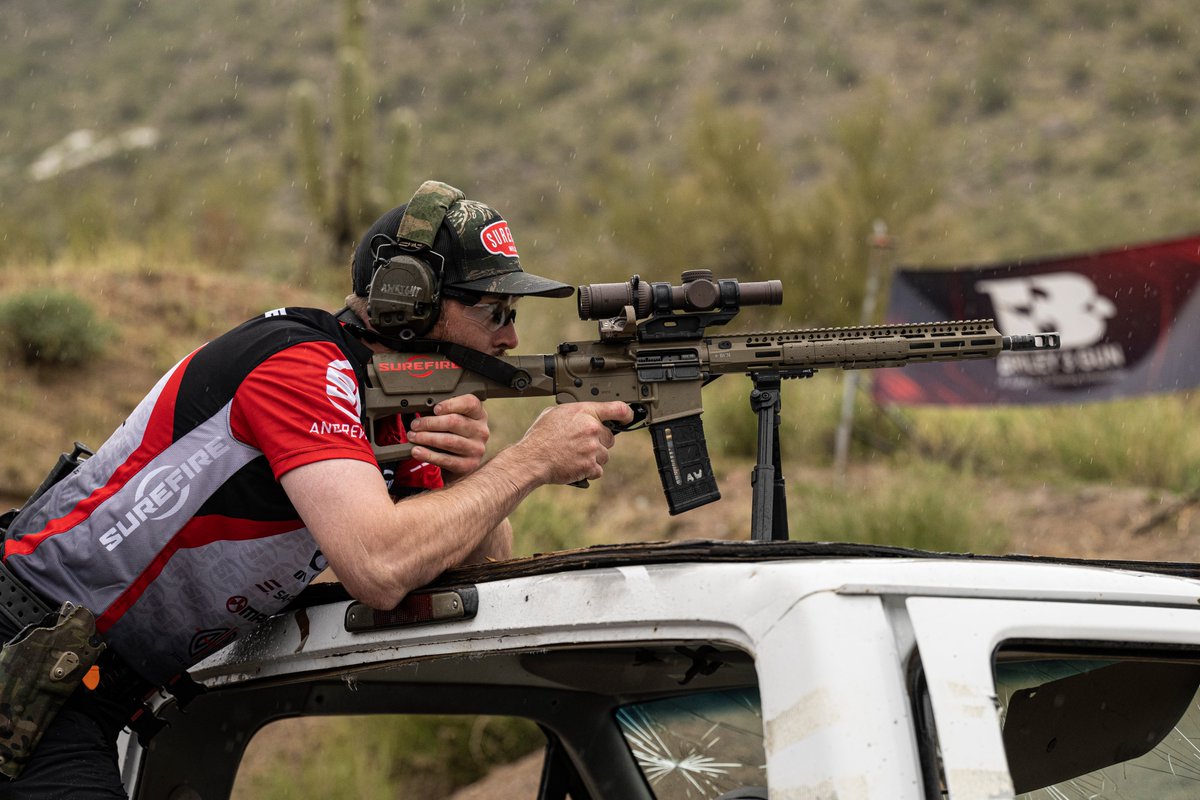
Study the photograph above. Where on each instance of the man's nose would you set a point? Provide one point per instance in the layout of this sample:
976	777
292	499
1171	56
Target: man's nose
506	338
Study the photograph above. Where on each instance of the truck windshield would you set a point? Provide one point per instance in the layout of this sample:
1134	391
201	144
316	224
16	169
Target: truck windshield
699	746
1097	728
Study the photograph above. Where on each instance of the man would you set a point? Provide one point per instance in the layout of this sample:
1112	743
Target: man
246	470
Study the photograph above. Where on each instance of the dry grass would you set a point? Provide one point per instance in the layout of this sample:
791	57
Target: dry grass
161	310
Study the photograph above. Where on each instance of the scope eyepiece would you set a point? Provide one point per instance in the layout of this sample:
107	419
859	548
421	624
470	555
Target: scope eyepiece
698	292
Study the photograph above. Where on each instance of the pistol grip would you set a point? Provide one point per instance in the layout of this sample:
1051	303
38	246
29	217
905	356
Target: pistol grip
639	414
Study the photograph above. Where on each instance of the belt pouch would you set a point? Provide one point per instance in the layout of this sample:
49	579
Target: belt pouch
39	669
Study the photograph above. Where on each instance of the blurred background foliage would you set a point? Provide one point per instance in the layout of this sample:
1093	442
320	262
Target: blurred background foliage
167	170
757	138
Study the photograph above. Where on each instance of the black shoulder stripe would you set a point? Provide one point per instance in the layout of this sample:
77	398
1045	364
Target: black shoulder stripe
216	372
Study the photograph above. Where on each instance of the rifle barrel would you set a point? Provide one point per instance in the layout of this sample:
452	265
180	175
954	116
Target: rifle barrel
1032	341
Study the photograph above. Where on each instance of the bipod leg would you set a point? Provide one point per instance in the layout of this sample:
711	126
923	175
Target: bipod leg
768	519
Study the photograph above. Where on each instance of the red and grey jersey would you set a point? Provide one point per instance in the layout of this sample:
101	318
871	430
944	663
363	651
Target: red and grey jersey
177	533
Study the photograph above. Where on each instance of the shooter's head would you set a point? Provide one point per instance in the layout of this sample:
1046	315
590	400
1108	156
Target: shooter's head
439	247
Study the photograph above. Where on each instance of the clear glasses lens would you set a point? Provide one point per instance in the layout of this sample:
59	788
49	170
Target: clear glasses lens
493	315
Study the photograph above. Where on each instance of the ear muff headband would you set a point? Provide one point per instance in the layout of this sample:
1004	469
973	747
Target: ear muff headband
404	297
425	213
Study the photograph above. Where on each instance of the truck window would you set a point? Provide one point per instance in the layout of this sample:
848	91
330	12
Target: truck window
1100	727
699	746
424	727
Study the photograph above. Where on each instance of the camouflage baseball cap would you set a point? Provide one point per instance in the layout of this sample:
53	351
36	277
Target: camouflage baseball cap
473	239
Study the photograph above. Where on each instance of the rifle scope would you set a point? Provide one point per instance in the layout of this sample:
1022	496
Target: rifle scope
698	292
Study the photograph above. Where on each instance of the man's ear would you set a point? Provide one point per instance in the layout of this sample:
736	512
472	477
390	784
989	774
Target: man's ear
356	307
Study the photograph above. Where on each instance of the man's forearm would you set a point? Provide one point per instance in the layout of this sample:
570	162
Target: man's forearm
382	550
465	522
496	546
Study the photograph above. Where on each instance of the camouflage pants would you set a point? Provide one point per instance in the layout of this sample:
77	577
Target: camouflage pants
76	759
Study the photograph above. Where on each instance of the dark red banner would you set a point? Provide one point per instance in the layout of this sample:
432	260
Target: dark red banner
1129	320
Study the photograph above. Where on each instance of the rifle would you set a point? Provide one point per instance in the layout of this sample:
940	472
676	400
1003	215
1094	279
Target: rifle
654	353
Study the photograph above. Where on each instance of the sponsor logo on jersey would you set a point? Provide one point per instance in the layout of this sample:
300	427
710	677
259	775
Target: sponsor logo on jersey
210	640
342	389
275	590
497	239
163	492
316	565
240	606
351	429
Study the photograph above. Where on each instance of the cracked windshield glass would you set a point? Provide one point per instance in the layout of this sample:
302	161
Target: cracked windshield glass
1100	728
698	746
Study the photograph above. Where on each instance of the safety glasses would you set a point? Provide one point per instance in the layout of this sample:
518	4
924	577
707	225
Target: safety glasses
493	314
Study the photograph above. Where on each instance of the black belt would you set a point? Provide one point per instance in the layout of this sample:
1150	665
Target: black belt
20	605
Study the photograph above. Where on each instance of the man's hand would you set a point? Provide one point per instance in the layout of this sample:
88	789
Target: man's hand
454	437
570	442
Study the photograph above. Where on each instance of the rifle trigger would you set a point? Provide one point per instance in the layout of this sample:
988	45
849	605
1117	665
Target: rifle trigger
640	412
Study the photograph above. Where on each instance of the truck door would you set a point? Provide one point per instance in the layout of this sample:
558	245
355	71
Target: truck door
1060	700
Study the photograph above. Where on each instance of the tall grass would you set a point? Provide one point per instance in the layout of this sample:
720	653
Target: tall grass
1150	441
1147	441
927	506
547	521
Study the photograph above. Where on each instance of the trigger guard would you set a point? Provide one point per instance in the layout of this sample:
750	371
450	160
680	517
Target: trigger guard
640	412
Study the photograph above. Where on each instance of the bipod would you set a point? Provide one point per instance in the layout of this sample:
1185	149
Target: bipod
768	516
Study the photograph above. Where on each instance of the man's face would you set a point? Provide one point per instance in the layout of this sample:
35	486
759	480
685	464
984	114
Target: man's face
487	326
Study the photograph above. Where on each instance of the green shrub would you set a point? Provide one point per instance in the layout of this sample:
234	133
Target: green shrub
52	327
387	756
838	63
995	81
1162	33
544	523
1132	95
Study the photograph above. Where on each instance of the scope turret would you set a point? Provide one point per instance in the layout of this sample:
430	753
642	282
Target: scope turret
697	292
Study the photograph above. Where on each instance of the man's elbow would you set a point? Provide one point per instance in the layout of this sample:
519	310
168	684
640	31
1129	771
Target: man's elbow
498	544
382	598
375	589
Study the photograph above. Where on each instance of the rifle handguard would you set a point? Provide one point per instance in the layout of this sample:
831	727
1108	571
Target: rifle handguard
683	465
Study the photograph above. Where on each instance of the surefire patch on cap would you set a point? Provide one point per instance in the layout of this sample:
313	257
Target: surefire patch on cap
497	239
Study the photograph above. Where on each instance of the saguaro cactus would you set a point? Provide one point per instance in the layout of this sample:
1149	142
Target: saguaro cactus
346	192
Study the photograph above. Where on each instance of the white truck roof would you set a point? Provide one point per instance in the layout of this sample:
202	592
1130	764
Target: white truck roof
847	650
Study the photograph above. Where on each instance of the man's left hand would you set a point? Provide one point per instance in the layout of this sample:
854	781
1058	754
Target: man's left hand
455	437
